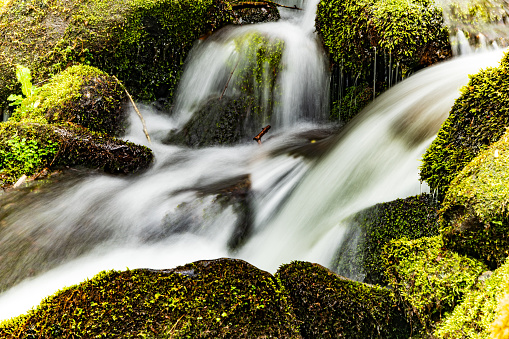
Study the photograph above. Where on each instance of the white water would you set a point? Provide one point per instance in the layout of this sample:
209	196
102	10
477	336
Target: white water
162	218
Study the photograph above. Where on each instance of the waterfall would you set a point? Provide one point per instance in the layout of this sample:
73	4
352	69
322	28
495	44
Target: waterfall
268	205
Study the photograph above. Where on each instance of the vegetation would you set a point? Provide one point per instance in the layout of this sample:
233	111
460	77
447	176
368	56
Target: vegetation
329	306
474	316
359	256
500	327
478	118
223	298
428	279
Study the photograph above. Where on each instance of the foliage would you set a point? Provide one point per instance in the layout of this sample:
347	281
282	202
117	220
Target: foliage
24	77
223	298
428	279
329	306
474	316
475	217
477	119
359	256
20	156
81	94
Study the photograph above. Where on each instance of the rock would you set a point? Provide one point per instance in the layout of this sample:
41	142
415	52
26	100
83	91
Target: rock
82	95
27	148
474	219
369	230
429	280
474	317
223	298
478	118
330	306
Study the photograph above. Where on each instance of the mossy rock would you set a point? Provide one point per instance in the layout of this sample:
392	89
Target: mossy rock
354	100
499	329
222	298
359	256
370	39
475	219
428	279
478	118
27	148
219	122
330	306
143	43
82	95
475	315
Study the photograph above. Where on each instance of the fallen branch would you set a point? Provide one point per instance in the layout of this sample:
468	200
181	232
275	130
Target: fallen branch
258	138
136	109
228	82
255	4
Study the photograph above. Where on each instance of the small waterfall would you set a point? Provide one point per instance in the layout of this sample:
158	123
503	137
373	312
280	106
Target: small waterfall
290	90
375	160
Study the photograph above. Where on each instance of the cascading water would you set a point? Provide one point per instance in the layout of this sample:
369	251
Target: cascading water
268	204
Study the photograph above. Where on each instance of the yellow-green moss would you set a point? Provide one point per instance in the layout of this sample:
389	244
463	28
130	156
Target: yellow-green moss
499	329
475	217
478	118
429	280
473	317
222	298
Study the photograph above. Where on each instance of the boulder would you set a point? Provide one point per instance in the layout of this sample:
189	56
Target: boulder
478	118
330	306
429	280
359	256
223	298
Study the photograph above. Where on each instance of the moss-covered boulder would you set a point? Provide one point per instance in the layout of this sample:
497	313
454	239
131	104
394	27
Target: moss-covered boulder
143	43
428	279
359	256
222	298
377	42
475	218
499	329
81	95
27	148
478	118
475	315
330	306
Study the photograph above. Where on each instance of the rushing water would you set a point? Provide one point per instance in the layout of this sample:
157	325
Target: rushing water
266	204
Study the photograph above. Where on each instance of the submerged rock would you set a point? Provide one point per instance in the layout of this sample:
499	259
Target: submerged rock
369	230
330	306
224	298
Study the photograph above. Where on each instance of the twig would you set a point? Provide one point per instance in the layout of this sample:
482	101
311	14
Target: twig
258	138
231	74
136	109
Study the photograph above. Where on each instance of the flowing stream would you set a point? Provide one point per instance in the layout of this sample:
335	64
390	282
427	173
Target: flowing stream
268	204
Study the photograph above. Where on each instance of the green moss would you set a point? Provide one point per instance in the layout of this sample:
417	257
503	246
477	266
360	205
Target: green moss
475	217
428	279
222	298
355	99
83	95
359	256
329	306
478	118
473	317
407	30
